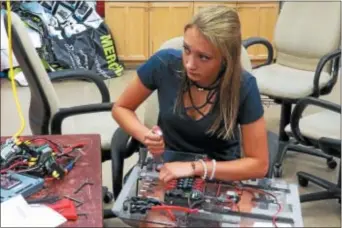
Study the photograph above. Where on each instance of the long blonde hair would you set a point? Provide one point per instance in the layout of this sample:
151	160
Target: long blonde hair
221	26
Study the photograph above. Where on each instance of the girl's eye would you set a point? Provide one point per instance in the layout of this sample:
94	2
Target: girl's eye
186	50
203	57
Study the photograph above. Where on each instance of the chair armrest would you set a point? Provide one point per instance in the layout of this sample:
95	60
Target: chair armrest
334	55
122	146
299	109
56	123
84	75
259	40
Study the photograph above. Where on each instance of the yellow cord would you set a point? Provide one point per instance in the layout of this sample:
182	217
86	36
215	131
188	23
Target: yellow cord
14	89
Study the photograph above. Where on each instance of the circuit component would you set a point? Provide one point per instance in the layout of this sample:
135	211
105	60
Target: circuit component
13	184
8	182
8	149
233	196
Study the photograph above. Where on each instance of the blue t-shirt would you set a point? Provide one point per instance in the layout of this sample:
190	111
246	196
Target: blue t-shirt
181	132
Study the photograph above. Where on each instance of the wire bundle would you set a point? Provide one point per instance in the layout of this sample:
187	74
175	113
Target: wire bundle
29	158
240	188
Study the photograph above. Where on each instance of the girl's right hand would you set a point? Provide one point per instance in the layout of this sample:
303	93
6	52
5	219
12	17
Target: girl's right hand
154	141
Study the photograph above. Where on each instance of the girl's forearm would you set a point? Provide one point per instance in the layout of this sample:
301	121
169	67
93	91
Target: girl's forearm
129	122
241	169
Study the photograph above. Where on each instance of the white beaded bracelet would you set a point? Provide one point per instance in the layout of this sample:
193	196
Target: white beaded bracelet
205	169
213	170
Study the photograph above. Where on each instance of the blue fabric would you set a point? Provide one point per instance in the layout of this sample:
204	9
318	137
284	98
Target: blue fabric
3	74
181	133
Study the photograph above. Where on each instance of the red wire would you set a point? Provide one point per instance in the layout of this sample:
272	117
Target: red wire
13	166
39	141
178	208
53	145
171	215
169	208
270	194
64	149
275	216
49	178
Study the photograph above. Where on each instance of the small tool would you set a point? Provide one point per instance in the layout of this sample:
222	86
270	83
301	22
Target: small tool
71	164
158	159
48	199
73	199
82	185
83	214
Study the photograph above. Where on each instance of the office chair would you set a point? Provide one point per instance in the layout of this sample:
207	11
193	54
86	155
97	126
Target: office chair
45	114
307	43
124	145
320	130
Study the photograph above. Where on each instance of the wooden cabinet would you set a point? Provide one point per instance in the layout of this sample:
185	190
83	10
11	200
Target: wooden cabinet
249	14
166	20
129	23
268	15
139	28
258	19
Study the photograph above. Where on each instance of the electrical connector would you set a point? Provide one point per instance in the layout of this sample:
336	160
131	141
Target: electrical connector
8	149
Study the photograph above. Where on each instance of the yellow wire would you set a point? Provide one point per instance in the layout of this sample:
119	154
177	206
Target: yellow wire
14	89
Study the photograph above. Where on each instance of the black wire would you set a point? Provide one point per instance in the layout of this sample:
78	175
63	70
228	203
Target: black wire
28	169
38	167
35	167
196	203
237	206
9	162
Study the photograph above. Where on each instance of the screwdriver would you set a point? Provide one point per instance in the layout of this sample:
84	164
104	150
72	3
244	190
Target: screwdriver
158	131
71	164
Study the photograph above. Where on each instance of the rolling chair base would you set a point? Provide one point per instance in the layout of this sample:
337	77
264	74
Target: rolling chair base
284	147
107	195
108	214
332	190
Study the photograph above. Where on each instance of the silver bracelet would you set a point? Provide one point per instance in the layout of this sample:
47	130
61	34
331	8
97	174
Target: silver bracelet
213	170
205	169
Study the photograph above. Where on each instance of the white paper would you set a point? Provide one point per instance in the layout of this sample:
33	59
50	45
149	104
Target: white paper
20	78
17	213
270	224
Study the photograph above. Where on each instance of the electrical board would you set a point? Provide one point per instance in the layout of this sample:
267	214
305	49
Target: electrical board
13	184
192	201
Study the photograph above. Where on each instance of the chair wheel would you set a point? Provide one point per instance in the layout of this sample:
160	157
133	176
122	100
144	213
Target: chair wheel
331	163
108	197
303	181
277	171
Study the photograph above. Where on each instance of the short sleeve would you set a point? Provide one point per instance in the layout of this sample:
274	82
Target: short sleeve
151	71
251	108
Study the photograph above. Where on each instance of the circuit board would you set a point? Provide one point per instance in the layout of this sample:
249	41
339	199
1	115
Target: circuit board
194	202
13	184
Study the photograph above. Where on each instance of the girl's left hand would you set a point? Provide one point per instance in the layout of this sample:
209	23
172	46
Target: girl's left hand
175	170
